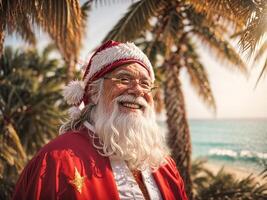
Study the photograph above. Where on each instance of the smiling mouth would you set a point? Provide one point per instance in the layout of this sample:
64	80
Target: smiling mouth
131	105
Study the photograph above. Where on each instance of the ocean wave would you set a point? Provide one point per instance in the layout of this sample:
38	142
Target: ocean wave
245	155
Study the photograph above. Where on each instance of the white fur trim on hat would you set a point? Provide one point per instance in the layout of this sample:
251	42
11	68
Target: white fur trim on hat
118	52
73	92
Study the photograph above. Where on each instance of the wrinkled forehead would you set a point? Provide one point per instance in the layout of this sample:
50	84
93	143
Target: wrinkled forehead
133	69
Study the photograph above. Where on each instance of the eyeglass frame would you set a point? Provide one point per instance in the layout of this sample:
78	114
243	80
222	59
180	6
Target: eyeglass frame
119	80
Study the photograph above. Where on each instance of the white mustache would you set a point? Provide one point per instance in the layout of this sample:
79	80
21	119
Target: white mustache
131	99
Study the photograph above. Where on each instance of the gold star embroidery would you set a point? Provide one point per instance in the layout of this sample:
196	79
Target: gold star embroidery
78	181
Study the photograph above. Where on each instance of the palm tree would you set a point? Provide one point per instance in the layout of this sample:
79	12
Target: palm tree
63	20
252	14
168	31
30	108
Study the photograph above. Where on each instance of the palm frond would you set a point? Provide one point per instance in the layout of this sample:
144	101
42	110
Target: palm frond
263	70
28	96
172	29
135	21
221	47
17	149
24	29
225	186
197	19
63	20
201	176
235	12
211	36
198	76
12	156
261	51
256	28
85	9
47	50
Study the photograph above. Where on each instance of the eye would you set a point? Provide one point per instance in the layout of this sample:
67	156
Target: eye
145	84
124	80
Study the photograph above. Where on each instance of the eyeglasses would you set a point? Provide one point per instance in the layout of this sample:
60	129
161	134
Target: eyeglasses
146	85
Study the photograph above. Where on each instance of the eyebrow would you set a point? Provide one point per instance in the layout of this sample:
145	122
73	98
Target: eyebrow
126	72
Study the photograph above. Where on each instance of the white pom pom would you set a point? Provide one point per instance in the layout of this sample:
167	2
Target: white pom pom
73	92
74	112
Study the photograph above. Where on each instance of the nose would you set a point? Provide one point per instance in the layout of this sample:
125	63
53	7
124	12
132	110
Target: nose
135	89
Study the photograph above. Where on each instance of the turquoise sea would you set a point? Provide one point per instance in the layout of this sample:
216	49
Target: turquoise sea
239	143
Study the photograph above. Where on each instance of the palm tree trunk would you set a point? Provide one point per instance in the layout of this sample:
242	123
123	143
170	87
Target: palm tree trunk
2	38
179	136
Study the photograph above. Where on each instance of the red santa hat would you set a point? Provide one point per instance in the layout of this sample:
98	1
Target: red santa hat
106	58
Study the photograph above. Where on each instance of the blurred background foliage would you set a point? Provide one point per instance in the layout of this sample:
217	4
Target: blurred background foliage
225	186
31	105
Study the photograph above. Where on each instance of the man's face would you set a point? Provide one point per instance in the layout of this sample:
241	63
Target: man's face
125	121
113	88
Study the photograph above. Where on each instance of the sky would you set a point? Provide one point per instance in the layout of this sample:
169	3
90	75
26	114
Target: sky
234	93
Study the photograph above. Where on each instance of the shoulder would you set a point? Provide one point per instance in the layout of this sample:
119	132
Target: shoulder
64	150
68	140
77	144
54	166
170	168
71	144
169	172
170	181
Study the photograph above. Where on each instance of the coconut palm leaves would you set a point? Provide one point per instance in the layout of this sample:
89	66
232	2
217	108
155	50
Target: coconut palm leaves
30	86
251	14
198	75
256	25
224	185
172	33
12	158
30	108
135	20
255	35
235	12
63	20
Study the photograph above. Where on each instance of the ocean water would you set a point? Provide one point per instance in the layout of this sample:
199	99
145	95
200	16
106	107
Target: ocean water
238	143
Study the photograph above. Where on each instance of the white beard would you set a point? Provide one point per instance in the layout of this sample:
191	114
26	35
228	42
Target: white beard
133	137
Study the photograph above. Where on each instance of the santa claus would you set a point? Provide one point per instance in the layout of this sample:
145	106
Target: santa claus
112	148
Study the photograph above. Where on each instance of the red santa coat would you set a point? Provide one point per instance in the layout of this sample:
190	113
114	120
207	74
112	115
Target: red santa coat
69	167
